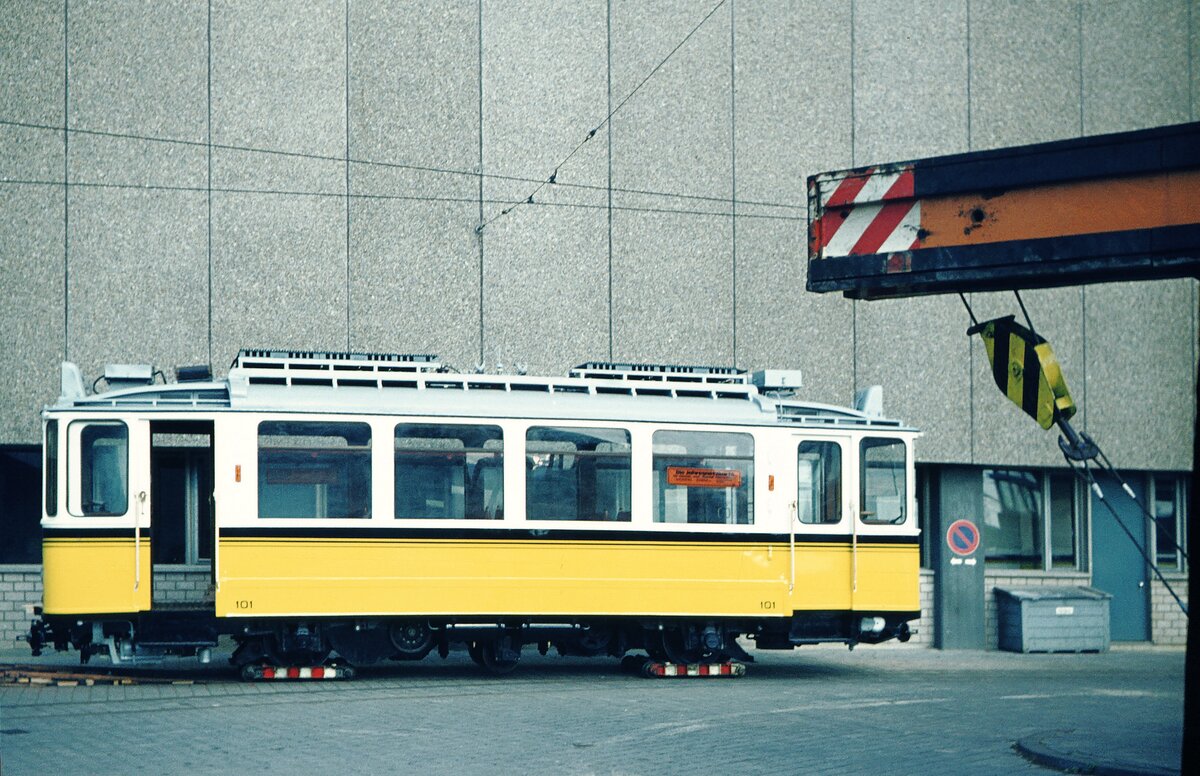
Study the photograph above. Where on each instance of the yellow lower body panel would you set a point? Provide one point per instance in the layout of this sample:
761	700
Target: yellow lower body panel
95	575
329	577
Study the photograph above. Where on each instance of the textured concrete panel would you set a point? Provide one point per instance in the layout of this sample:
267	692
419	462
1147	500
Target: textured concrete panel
792	71
414	83
675	134
916	350
779	324
31	154
279	273
1135	65
1001	433
31	268
31	61
242	170
1140	337
279	76
139	68
138	278
414	279
672	284
103	159
1024	72
910	79
379	180
545	292
530	125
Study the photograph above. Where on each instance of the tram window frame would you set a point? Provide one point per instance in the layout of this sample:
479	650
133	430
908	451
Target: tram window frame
1053	503
469	470
1169	491
550	449
90	436
724	455
868	465
50	474
352	488
824	474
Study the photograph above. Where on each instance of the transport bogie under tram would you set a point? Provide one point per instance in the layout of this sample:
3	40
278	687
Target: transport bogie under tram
367	508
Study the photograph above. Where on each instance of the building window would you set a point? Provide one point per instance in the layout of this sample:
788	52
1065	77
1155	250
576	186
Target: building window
449	471
20	510
314	469
884	481
577	474
819	483
1169	499
703	477
103	469
1026	512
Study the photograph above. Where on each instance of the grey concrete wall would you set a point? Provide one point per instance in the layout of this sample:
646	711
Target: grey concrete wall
312	175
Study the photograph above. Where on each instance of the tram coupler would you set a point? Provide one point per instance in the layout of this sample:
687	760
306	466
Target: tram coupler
40	634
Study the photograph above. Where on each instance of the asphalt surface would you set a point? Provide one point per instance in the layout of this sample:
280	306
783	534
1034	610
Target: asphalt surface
815	710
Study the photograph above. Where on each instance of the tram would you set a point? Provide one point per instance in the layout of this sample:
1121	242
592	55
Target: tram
367	507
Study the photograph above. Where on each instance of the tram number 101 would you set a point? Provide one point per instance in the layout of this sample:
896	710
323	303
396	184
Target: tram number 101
766	605
244	604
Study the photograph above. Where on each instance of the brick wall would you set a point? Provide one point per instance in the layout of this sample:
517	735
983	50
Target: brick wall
20	587
1168	624
182	585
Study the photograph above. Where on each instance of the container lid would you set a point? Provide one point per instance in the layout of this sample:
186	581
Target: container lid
1054	593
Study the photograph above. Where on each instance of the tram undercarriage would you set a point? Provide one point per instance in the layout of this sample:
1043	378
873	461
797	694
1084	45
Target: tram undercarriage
494	646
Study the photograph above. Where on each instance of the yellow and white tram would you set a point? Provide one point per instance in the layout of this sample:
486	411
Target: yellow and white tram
379	506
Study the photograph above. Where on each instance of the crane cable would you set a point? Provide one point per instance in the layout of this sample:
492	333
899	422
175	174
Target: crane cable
1079	448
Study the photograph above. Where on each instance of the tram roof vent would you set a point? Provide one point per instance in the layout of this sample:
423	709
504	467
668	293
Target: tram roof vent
128	375
675	373
265	358
777	381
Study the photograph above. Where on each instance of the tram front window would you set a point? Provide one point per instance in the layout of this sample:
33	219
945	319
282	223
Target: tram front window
104	469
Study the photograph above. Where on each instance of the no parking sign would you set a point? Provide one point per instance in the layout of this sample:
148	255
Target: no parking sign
962	537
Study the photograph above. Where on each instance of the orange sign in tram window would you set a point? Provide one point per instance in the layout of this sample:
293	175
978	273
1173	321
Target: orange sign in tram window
695	477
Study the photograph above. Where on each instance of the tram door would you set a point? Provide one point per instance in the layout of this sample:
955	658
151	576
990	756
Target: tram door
181	508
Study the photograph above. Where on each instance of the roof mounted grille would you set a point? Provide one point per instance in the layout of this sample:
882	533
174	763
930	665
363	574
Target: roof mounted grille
673	373
333	361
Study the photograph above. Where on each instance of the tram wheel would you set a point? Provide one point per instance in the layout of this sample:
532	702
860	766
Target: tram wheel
475	650
674	647
500	656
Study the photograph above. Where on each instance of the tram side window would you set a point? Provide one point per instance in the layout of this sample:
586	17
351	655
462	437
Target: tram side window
578	474
819	483
314	469
703	477
884	481
104	469
449	471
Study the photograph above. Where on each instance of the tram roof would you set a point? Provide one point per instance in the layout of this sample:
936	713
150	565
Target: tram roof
389	388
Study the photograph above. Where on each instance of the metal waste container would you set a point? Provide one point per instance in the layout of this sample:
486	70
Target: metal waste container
1053	619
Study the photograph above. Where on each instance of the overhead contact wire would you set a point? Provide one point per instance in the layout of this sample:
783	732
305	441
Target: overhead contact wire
553	178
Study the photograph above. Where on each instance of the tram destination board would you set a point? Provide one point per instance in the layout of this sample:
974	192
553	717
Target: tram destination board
1095	209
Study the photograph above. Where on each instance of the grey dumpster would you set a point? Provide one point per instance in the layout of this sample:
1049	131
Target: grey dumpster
1053	619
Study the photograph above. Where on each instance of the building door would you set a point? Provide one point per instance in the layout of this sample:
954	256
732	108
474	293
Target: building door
1118	567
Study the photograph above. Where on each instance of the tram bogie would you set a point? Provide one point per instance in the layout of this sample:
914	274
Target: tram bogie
376	507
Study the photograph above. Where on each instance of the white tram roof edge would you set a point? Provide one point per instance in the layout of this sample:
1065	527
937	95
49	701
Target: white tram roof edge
385	384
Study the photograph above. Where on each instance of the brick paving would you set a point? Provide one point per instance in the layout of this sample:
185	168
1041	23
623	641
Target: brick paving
815	710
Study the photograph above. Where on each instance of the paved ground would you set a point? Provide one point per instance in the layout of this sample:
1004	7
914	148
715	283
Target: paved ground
815	710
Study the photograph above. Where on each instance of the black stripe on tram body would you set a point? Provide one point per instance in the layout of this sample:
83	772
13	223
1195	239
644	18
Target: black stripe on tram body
542	534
